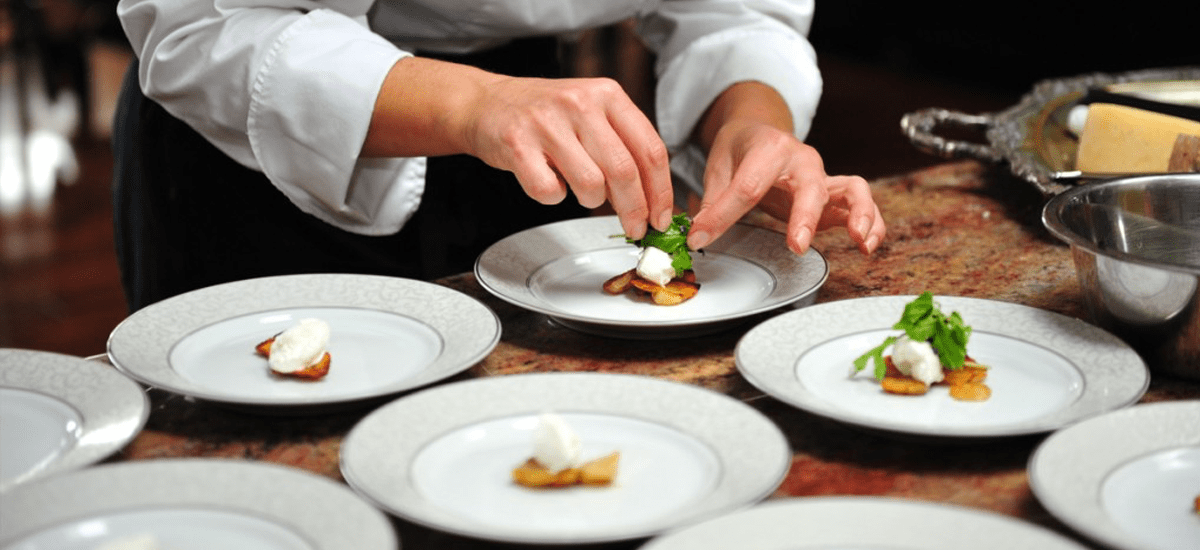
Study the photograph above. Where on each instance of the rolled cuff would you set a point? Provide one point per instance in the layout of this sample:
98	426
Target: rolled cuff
311	106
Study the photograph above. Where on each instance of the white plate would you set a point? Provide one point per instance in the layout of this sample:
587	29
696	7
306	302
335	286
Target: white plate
1126	479
876	523
192	504
1047	370
558	269
687	453
388	335
60	412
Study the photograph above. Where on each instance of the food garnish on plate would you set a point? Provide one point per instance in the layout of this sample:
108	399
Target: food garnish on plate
556	460
664	268
932	351
300	351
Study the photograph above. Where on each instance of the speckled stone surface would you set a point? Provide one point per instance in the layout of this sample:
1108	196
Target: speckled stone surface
960	228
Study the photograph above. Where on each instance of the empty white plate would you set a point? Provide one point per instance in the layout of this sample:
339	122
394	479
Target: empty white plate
191	504
1047	370
867	523
60	412
443	457
1127	479
388	335
558	270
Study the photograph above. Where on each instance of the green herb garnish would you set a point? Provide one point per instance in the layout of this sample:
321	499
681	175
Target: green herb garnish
923	321
673	241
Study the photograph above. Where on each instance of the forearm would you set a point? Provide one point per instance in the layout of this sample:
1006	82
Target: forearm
422	109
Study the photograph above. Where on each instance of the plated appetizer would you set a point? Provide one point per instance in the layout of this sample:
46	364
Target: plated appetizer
556	459
664	269
932	351
298	352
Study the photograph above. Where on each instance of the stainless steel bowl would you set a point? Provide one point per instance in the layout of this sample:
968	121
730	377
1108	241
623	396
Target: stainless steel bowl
1136	246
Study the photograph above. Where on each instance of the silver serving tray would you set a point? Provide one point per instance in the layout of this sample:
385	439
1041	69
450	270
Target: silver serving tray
1031	136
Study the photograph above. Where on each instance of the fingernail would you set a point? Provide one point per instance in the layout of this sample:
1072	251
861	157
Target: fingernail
872	242
698	239
803	236
863	225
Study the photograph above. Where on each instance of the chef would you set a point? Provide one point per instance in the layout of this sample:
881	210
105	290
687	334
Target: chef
403	137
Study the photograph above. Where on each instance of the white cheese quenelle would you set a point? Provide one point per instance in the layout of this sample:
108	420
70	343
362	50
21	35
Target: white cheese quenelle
299	347
918	360
655	265
555	445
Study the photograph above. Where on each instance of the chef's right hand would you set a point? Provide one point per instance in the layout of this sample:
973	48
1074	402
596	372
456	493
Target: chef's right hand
581	134
585	134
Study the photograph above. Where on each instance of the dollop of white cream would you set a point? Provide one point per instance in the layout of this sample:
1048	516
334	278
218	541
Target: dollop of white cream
555	445
918	360
655	265
299	347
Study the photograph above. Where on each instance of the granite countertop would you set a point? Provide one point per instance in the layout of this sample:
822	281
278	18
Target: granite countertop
960	228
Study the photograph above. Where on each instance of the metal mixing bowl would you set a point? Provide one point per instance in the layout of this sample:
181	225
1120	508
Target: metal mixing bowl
1136	246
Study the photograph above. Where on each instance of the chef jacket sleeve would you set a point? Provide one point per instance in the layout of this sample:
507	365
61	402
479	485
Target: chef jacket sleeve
704	46
286	87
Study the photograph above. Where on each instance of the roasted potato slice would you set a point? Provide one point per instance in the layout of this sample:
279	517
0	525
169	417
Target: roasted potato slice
620	283
600	471
264	348
903	385
971	391
315	371
967	374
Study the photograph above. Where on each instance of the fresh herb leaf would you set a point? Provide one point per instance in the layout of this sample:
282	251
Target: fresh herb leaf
876	355
923	321
673	241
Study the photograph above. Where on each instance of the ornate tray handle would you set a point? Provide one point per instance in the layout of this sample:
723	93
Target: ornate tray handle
919	127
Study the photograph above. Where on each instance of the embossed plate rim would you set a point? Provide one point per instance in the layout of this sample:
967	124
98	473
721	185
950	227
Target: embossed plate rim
1114	376
141	345
113	408
1068	469
332	517
504	270
378	453
844	521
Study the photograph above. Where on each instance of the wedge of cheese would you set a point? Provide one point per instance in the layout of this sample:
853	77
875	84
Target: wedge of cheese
1121	140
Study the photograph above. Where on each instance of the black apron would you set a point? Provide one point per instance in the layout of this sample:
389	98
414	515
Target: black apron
186	216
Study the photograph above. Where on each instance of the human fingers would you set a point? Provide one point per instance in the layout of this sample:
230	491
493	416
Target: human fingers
863	220
651	161
810	199
734	182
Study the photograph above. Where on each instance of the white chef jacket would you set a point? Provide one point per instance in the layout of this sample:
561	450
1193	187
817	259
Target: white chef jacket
287	87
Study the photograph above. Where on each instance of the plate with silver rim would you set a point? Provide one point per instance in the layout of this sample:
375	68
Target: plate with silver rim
1129	479
558	270
388	335
821	523
685	453
60	412
191	503
1046	371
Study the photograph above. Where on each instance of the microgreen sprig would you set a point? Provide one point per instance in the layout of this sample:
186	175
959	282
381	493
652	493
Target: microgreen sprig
922	321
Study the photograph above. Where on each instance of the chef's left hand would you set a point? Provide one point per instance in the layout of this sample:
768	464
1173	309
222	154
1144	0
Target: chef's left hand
753	162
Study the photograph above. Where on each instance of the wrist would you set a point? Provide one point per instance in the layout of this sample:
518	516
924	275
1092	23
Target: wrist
740	105
426	108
